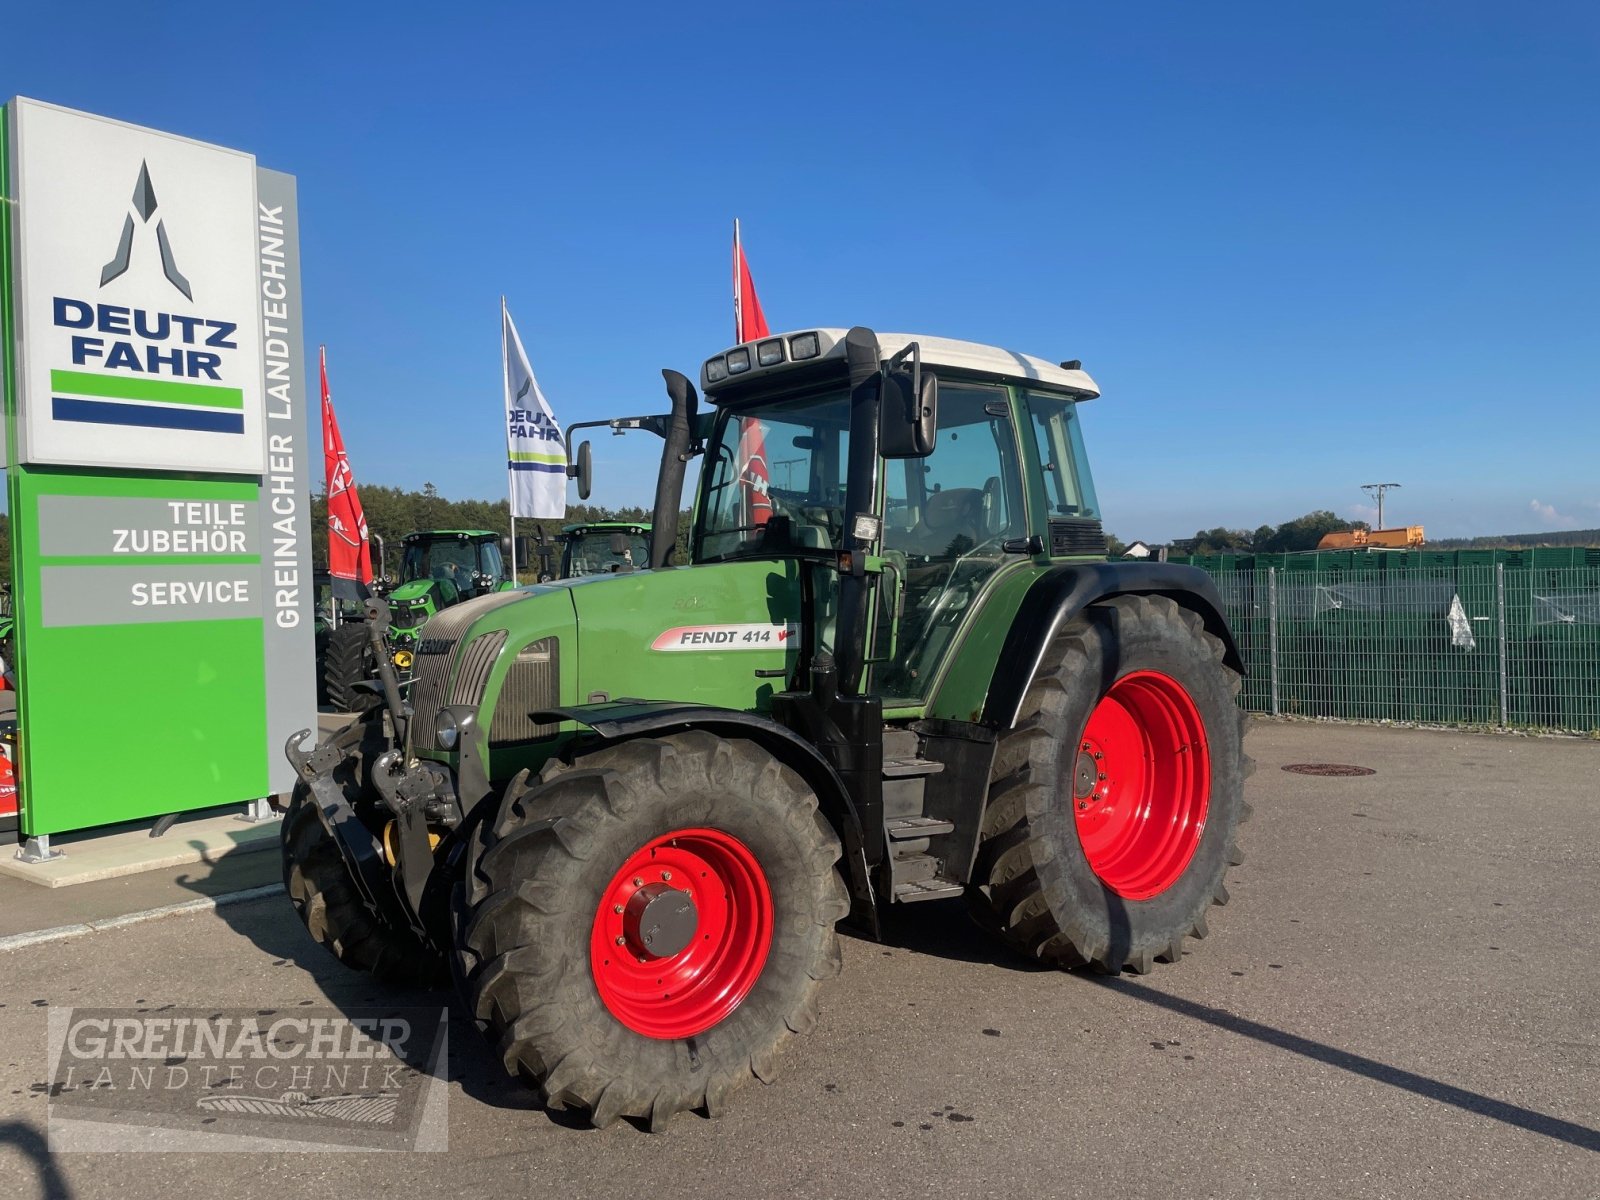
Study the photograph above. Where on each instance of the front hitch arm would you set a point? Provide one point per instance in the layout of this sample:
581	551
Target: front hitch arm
361	850
378	631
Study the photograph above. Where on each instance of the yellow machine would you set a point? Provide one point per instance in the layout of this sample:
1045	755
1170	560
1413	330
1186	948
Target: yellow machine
1407	537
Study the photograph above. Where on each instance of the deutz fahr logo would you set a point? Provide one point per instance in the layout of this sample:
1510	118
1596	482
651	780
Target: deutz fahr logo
150	364
144	203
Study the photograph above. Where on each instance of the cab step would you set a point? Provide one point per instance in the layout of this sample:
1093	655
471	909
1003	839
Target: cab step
910	767
903	829
937	888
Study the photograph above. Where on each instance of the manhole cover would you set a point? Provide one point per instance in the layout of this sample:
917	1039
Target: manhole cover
1328	769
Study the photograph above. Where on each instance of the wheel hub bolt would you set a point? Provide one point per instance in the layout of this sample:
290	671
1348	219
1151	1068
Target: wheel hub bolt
666	875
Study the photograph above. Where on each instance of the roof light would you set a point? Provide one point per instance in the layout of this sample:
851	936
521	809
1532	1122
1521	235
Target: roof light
804	345
770	354
738	360
716	369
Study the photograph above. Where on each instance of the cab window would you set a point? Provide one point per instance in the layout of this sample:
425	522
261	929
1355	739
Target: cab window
946	519
1068	488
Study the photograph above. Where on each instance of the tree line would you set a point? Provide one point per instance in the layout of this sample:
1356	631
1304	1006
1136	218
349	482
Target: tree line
393	512
1302	533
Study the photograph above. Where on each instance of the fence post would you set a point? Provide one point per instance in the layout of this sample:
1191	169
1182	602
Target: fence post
1272	633
1500	634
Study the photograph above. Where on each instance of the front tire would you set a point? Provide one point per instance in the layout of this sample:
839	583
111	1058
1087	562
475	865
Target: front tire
348	661
325	896
641	933
1114	802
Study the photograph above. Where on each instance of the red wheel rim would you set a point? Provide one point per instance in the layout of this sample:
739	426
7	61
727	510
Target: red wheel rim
682	933
1142	784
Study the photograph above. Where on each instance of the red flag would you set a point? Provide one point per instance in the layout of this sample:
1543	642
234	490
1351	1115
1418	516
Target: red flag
755	479
749	322
349	554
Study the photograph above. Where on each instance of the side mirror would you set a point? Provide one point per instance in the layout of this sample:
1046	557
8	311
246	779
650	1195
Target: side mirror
582	471
908	408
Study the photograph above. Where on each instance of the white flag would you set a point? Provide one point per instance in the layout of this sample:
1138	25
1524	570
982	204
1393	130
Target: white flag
536	456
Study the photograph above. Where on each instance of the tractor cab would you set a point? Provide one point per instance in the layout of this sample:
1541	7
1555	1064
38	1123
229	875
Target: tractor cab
464	563
603	547
972	468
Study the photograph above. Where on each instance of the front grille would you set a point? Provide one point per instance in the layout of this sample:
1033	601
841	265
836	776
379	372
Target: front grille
430	675
1076	537
436	654
472	676
533	682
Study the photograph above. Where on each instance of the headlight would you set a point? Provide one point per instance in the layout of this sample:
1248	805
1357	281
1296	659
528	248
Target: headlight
450	723
445	730
805	345
716	369
738	360
770	354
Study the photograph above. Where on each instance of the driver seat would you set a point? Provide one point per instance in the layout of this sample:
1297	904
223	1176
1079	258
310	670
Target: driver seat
949	519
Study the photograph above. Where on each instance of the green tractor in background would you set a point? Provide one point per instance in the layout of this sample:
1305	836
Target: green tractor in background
601	548
439	568
627	816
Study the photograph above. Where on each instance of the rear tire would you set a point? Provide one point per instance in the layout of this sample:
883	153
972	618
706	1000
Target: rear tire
1104	841
567	1005
326	898
348	661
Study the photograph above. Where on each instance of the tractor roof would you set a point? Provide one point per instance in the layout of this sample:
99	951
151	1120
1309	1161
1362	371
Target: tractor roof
585	526
788	352
421	534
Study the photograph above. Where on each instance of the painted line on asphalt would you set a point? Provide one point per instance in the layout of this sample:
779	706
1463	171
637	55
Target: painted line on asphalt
37	937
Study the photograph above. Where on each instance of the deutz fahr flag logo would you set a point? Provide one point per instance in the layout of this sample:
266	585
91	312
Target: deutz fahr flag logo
155	369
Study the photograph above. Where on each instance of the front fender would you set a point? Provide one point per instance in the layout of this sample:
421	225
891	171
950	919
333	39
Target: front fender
619	720
1063	592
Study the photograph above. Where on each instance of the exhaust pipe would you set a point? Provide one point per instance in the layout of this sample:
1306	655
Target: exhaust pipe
675	456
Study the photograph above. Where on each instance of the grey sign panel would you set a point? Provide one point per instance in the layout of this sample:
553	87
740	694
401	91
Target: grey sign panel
143	594
142	526
284	513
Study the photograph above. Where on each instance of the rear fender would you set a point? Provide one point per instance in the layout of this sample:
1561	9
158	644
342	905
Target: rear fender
1062	593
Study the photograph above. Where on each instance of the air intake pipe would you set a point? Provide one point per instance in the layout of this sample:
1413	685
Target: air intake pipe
675	456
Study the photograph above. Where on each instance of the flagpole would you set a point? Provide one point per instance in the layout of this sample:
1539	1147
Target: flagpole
738	300
333	601
505	388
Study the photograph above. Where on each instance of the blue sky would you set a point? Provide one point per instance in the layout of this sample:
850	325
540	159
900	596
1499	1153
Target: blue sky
1300	247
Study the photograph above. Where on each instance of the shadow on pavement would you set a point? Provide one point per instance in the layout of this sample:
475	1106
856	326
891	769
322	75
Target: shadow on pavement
272	927
1533	1121
26	1139
943	930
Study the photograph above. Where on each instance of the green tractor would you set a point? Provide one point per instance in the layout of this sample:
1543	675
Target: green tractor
602	547
627	817
439	568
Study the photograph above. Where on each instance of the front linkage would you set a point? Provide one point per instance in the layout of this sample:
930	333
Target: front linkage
392	851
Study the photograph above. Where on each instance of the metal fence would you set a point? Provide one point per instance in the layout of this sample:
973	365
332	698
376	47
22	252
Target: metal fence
1407	639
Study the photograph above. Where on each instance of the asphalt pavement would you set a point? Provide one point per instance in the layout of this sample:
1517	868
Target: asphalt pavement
1401	1000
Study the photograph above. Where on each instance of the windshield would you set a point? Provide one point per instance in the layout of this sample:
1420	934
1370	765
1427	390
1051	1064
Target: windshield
780	461
591	553
453	560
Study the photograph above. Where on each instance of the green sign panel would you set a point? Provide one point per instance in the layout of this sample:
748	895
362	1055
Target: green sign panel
158	452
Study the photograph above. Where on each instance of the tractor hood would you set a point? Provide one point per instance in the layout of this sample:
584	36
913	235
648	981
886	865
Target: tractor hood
724	634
